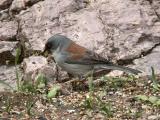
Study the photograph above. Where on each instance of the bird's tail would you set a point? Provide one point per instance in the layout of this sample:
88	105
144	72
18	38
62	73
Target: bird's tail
116	67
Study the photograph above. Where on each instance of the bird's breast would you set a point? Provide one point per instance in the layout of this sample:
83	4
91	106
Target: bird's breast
59	57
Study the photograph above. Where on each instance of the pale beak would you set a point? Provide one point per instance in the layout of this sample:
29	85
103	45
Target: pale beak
45	52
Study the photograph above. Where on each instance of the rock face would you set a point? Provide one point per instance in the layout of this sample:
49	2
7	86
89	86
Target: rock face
152	60
127	31
7	74
5	4
8	31
32	65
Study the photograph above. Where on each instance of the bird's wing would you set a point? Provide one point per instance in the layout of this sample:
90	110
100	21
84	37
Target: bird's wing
81	55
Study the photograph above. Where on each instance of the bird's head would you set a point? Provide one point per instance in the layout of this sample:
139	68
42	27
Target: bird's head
55	42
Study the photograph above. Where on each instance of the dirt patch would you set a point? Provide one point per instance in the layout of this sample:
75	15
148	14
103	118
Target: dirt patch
115	99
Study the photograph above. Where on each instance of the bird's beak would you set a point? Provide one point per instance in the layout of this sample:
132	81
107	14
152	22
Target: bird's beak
45	52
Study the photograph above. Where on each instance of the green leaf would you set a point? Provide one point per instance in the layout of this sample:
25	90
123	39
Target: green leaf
53	92
153	99
142	97
28	87
17	79
157	102
18	53
40	81
41	85
88	102
156	86
90	82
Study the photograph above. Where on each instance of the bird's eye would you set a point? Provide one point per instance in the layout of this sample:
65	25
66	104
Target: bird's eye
48	46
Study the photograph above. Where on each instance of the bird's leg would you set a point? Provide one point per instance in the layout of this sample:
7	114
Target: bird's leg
70	76
81	83
75	82
77	79
82	79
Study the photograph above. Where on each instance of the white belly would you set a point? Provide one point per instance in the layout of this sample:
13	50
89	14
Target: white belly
76	69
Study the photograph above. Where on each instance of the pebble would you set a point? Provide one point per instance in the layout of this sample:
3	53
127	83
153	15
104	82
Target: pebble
154	117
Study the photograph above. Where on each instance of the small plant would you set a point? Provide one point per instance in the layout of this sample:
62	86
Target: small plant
53	92
133	114
88	103
149	99
18	82
8	105
118	82
89	98
155	85
93	101
29	104
40	81
154	100
105	107
28	87
37	86
90	83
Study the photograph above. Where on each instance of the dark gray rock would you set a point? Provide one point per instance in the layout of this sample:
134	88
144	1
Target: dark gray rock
5	4
7	52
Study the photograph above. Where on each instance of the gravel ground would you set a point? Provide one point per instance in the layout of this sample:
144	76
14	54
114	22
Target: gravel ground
113	99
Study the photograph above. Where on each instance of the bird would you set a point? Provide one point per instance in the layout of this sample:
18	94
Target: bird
78	60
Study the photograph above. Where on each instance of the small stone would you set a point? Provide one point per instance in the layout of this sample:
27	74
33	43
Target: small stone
153	117
70	111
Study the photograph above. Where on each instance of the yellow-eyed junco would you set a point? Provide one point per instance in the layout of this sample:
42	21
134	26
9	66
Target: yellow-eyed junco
78	60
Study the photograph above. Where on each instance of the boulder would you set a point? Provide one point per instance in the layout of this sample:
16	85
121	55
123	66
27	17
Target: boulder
38	65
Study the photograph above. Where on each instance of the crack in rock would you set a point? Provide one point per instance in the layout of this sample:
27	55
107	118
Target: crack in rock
19	5
4	4
7	52
156	13
142	54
